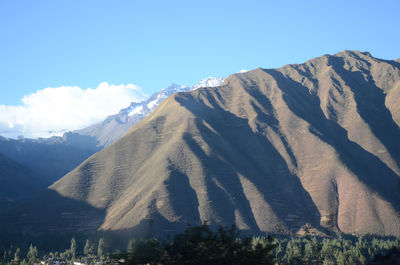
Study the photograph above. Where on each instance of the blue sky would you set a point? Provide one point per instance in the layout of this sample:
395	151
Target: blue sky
154	43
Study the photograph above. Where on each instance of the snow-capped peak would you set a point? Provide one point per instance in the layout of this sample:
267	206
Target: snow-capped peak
172	89
138	110
209	82
116	125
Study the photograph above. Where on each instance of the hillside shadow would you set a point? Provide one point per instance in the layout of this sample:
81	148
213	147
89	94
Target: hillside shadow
265	116
51	213
182	206
371	106
369	169
182	196
227	192
154	225
238	150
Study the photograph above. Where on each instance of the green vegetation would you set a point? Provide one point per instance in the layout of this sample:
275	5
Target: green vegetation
14	255
201	245
332	251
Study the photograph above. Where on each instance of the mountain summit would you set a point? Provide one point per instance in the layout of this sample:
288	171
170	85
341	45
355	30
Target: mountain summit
306	147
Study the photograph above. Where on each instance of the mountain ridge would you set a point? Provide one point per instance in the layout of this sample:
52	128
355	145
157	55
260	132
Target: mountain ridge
270	150
114	126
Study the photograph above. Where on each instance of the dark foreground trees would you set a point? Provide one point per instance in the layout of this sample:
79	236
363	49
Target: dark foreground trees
341	250
200	245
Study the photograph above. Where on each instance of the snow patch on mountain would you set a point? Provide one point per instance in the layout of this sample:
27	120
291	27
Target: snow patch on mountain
138	110
209	82
152	104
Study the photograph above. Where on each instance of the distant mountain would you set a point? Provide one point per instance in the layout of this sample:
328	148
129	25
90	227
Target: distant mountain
115	126
17	183
306	147
49	158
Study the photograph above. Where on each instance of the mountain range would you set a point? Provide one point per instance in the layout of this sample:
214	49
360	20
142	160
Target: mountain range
45	160
306	147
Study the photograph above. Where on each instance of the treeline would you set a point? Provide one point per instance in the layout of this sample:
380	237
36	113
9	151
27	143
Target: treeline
189	248
90	253
202	245
333	251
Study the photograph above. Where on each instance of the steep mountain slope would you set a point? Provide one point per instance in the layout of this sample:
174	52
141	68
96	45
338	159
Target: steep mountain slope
17	183
115	126
269	150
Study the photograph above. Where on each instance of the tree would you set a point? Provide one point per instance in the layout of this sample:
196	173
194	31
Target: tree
327	251
279	250
129	248
308	253
201	245
17	256
88	249
147	251
341	259
32	254
101	248
312	251
293	252
72	249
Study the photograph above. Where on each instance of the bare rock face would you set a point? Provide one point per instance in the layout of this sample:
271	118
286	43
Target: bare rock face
307	147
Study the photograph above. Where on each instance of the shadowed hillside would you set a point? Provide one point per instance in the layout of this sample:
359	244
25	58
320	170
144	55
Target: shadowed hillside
17	183
49	158
271	150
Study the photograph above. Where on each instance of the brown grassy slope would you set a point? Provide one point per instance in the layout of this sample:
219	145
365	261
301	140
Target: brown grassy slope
273	149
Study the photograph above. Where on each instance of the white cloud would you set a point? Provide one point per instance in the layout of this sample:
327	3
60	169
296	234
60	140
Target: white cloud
54	110
243	71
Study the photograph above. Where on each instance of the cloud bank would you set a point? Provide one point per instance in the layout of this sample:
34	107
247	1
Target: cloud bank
54	110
